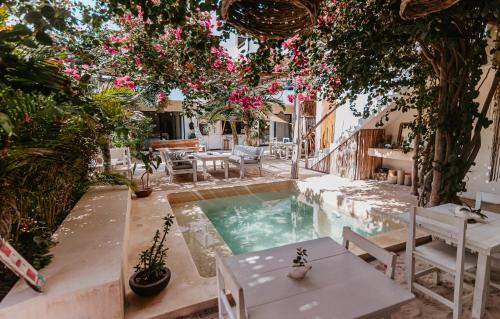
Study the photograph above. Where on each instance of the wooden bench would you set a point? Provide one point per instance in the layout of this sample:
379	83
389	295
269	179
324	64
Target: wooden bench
192	144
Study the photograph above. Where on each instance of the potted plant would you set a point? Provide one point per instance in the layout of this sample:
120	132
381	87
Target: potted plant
300	266
151	162
467	212
151	274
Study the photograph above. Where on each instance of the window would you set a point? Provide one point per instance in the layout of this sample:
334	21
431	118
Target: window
226	126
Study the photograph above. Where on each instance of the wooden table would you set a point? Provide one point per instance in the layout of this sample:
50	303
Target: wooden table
482	237
339	285
214	157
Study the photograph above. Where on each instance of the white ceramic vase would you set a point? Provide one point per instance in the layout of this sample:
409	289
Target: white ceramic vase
299	273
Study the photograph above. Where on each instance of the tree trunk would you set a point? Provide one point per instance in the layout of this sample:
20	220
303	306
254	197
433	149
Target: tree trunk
414	172
234	132
437	174
297	141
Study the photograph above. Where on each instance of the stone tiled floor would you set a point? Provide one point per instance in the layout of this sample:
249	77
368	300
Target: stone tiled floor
356	197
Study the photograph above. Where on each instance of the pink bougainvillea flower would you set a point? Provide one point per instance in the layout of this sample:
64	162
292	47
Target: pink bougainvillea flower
289	42
138	61
178	33
73	73
109	49
231	66
299	81
217	63
277	68
301	97
124	81
290	98
274	87
85	66
218	23
257	102
161	96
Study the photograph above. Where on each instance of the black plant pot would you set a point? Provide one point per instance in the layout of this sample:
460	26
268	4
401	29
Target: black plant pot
143	192
149	289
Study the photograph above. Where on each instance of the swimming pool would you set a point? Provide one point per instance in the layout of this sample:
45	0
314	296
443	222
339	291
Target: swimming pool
251	222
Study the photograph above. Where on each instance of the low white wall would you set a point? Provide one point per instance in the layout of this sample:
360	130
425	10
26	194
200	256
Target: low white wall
84	279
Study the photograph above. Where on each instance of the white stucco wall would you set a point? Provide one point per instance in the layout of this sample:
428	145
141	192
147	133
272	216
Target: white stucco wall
477	179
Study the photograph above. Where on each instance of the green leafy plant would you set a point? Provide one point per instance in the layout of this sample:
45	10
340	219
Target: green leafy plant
300	260
152	260
151	162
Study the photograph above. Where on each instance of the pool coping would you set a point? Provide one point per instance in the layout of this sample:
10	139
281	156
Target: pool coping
170	304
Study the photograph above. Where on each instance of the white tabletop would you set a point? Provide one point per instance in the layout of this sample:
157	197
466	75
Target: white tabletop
339	285
483	236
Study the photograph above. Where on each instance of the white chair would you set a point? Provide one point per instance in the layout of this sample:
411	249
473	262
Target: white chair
441	256
386	257
492	199
121	161
487	198
227	281
273	146
179	167
286	140
244	156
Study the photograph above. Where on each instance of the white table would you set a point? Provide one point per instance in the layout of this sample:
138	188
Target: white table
482	237
213	157
339	285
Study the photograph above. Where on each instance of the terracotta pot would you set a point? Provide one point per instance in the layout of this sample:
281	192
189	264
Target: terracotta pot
149	289
143	192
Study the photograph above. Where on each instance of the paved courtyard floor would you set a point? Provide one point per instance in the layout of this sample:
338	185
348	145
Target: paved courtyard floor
189	293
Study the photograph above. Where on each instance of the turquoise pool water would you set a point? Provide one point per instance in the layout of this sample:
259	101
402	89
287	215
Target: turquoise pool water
247	223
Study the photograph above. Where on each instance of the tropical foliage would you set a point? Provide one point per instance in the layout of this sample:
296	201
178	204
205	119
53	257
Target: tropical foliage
433	64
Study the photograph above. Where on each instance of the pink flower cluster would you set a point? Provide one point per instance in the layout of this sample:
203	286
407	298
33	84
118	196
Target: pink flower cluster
118	39
221	58
124	81
274	88
161	96
290	41
178	34
73	72
246	102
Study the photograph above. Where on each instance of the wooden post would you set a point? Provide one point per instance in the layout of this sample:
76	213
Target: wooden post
306	141
414	172
297	142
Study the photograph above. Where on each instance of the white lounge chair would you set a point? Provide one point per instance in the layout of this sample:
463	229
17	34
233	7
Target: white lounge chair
441	256
244	156
386	257
179	166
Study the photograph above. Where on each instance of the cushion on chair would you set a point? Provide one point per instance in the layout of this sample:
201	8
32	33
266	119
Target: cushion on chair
179	155
445	255
182	165
249	152
236	159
